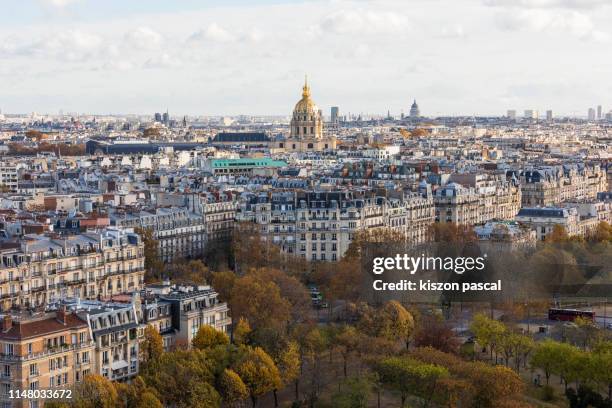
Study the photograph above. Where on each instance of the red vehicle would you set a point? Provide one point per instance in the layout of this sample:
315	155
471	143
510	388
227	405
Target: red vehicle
569	315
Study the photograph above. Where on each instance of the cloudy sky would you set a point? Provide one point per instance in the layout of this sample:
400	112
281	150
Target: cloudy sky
230	57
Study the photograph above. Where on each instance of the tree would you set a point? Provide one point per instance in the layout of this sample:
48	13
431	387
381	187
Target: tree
136	394
192	271
411	377
291	289
259	373
241	332
289	365
232	388
487	331
392	322
260	302
152	346
148	400
347	340
183	379
551	357
153	265
602	370
353	392
557	235
436	333
209	337
488	385
96	391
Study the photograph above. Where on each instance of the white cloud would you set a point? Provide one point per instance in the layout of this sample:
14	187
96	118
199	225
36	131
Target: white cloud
557	22
60	4
362	21
143	38
214	32
72	45
162	61
576	4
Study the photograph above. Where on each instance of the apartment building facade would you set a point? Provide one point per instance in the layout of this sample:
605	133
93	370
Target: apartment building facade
549	186
44	268
319	226
45	351
477	202
180	233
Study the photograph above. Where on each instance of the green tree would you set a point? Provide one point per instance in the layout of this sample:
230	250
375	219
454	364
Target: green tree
488	332
354	392
549	356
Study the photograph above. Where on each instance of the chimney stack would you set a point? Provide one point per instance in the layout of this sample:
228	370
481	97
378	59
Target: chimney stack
7	323
61	314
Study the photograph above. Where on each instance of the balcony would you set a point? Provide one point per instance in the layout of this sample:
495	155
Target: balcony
46	352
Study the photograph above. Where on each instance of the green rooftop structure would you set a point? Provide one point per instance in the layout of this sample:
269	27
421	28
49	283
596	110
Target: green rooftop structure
243	165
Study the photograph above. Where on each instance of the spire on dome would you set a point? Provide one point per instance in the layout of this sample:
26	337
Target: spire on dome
306	88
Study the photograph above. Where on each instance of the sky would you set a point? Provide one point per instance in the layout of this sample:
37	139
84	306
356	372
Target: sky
230	57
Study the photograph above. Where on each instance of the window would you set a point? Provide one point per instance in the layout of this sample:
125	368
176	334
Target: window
7	371
33	369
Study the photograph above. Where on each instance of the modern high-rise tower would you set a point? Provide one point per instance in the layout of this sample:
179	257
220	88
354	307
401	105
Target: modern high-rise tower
335	112
591	114
549	115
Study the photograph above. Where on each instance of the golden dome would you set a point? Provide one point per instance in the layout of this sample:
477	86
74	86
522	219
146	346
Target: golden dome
306	104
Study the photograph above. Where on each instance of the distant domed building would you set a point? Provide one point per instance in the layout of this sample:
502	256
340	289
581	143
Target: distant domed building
414	110
307	127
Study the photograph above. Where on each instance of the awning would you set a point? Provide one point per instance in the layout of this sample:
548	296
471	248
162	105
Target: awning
119	364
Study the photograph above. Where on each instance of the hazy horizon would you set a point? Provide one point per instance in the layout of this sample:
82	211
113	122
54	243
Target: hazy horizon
238	57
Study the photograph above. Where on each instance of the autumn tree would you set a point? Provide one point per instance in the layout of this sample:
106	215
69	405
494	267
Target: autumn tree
241	332
392	322
96	391
232	388
259	373
347	340
152	345
289	365
209	337
433	331
411	377
260	302
154	267
184	379
488	385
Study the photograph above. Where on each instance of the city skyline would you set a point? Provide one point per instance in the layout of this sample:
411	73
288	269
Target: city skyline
238	57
